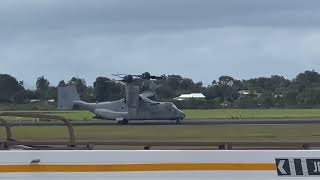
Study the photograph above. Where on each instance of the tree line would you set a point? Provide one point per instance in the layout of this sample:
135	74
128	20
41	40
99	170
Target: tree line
226	92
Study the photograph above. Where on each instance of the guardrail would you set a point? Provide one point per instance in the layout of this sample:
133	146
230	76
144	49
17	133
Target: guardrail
184	145
66	122
4	144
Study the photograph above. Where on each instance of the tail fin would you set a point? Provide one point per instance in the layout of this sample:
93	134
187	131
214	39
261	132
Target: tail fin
132	100
66	97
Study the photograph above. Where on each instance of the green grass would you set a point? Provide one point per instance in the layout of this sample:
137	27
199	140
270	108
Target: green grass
213	114
38	106
75	115
252	113
184	133
224	114
173	133
71	115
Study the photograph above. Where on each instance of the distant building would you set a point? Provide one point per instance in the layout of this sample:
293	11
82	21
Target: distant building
277	95
39	100
244	93
51	101
183	97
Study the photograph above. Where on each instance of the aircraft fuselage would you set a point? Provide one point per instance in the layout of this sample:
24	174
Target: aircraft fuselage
147	110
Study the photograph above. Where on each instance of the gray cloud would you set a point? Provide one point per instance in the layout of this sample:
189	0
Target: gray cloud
155	15
201	39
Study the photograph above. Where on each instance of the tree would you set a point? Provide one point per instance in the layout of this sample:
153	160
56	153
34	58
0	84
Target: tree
100	88
52	93
226	88
267	99
81	87
107	90
166	92
9	88
290	97
247	102
308	77
309	97
214	82
226	81
62	83
42	87
173	82
212	92
186	84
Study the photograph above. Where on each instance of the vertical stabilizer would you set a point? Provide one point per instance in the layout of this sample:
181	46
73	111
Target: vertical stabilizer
132	100
66	97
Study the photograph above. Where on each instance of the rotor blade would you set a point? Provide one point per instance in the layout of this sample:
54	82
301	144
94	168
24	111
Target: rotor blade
119	75
116	81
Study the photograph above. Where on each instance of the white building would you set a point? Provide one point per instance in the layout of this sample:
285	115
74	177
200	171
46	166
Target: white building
39	100
190	96
248	93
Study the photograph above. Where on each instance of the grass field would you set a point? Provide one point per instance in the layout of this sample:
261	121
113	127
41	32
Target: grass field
252	113
38	106
173	133
224	114
215	114
185	133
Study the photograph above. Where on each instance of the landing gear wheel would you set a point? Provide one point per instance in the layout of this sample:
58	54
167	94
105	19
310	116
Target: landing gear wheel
123	122
178	121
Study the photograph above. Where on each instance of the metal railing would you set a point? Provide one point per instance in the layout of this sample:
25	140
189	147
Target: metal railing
4	143
173	145
70	143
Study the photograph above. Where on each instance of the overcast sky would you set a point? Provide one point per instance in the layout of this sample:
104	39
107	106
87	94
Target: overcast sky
199	39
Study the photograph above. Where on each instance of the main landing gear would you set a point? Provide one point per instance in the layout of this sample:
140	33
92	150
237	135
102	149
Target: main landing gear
178	121
123	121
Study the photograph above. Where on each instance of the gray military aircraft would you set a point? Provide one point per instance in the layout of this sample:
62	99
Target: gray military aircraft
135	105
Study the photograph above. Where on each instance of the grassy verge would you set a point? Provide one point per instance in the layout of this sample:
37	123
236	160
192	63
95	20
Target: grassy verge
225	114
173	133
38	106
252	113
76	115
213	114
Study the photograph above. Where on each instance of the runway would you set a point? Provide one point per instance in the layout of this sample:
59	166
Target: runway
191	122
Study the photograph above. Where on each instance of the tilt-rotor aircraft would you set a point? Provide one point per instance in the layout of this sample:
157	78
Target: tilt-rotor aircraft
135	105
